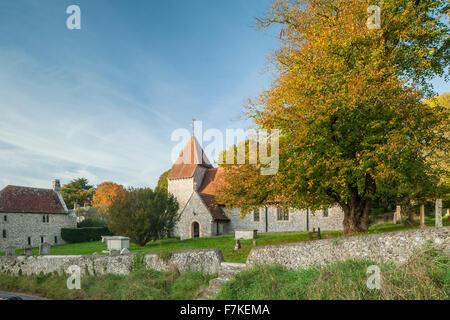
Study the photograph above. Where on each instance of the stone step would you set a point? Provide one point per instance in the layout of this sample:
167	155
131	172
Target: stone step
209	293
217	282
227	274
232	266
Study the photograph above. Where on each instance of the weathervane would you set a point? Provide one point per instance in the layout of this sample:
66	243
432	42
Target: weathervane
193	124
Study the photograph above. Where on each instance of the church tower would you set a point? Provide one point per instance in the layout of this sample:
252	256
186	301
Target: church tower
186	174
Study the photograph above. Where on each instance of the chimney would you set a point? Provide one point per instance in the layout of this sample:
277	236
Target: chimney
56	185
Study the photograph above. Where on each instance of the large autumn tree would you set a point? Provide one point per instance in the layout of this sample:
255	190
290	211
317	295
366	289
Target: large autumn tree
348	101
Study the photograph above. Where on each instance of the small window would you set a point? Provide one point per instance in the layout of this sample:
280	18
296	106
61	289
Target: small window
325	212
56	239
43	219
5	218
256	215
42	239
282	214
48	218
4	234
29	241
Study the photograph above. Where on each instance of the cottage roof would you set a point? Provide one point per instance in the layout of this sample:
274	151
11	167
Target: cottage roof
14	199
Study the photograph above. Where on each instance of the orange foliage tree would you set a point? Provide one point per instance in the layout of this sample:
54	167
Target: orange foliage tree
105	195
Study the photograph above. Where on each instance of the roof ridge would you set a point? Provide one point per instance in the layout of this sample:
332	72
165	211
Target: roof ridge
25	187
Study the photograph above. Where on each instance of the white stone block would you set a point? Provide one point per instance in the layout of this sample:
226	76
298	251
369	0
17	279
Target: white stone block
245	234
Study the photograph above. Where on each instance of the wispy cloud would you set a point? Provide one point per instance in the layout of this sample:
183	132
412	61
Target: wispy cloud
90	124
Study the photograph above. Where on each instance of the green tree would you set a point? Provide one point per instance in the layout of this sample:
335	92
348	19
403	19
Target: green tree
143	215
162	181
347	100
79	191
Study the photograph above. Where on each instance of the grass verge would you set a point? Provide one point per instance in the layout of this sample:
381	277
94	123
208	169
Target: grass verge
140	284
426	275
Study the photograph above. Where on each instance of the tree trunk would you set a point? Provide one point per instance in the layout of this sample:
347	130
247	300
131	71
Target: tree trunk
356	216
408	207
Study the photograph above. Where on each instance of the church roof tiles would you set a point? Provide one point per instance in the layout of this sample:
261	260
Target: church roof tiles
188	160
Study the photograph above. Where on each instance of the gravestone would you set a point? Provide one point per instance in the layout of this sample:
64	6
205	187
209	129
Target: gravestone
398	214
438	213
10	251
27	251
422	216
238	244
44	249
245	234
116	242
124	251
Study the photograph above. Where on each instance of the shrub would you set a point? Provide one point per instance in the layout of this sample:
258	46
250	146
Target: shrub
92	223
76	235
143	215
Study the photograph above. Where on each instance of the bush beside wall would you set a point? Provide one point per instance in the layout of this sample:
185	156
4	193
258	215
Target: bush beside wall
76	235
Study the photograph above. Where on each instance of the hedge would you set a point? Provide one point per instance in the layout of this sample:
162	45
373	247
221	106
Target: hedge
75	235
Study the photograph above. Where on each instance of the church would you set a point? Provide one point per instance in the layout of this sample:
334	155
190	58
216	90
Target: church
192	180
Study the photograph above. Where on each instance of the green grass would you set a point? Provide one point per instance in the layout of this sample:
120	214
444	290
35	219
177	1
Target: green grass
225	243
425	276
139	285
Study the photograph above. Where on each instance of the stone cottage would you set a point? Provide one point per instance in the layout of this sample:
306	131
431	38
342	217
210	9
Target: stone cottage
192	180
30	216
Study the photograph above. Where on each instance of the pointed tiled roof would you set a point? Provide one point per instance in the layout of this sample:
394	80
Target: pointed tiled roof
188	160
15	199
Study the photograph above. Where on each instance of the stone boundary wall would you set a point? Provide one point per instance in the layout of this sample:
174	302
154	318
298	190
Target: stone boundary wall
389	247
207	261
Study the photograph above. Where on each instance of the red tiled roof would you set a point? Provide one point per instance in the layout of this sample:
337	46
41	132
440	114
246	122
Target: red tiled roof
210	181
188	160
30	200
207	193
214	208
182	171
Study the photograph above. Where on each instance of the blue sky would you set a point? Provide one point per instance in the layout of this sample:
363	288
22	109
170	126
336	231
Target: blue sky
102	102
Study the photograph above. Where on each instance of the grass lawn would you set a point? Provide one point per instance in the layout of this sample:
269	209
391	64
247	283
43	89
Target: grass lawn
224	243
